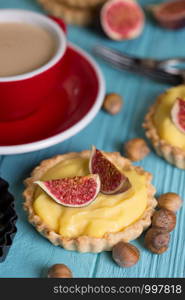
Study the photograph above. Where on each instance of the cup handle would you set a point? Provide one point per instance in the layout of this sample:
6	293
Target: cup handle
60	22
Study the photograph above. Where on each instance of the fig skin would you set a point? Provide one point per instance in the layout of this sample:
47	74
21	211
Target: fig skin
112	103
170	14
157	240
125	254
136	149
164	219
59	271
170	201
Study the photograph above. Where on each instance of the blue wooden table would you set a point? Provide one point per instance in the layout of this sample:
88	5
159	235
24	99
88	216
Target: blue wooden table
31	254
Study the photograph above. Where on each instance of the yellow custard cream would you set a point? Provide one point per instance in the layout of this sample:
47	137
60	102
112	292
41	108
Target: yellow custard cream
108	213
162	118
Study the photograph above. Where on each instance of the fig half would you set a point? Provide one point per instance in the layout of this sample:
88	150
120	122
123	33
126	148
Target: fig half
113	181
122	19
78	191
170	14
178	114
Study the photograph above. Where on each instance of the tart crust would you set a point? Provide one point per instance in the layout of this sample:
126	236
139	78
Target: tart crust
174	155
71	15
86	243
83	3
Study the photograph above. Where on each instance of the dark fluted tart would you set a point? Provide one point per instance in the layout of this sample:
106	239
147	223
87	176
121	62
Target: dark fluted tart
8	218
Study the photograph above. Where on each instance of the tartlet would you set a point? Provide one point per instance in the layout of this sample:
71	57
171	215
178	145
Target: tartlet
165	137
137	203
71	15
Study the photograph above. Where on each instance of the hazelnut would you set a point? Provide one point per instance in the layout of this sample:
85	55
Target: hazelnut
59	271
125	254
112	103
136	149
170	201
164	219
157	240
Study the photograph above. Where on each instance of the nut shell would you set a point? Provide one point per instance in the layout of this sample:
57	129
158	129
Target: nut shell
112	103
125	254
157	240
170	201
164	219
136	149
59	271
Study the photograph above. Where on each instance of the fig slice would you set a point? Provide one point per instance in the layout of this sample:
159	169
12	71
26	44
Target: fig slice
113	181
78	191
122	19
178	114
170	14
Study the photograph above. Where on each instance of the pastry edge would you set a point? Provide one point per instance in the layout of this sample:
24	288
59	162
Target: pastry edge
83	3
76	16
170	153
86	243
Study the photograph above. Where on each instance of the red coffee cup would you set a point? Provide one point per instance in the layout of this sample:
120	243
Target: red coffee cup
23	94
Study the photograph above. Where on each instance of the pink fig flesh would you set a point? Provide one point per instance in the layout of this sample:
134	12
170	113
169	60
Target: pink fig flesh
122	19
170	14
112	180
78	191
178	114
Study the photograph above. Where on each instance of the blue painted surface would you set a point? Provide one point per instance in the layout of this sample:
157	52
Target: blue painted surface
31	254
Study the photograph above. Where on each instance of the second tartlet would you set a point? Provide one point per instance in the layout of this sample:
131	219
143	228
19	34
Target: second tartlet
165	136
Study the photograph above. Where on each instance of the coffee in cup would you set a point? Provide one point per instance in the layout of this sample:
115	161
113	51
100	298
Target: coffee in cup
24	48
32	61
